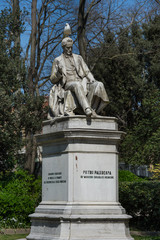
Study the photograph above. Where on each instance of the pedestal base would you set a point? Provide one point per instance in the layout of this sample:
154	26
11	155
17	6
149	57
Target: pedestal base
80	182
79	222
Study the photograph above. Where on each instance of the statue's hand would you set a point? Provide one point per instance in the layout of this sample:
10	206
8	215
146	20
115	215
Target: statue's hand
92	80
60	69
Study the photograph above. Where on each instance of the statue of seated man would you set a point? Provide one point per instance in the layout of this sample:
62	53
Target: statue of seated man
75	91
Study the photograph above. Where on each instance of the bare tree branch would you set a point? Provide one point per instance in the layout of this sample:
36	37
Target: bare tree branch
157	1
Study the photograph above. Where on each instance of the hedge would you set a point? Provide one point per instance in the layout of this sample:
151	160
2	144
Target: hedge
20	193
142	201
127	176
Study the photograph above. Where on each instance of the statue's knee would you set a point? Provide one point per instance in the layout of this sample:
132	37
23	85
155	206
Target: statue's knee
101	84
77	85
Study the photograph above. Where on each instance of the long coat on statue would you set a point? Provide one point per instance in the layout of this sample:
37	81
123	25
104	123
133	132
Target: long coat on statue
61	100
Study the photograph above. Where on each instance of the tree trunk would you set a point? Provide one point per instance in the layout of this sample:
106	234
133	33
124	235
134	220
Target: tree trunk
31	74
81	29
30	140
16	14
31	153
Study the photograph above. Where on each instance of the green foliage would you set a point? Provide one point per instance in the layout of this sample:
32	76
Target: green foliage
141	200
10	97
146	238
121	71
20	193
33	113
127	176
19	111
129	68
12	237
155	170
141	144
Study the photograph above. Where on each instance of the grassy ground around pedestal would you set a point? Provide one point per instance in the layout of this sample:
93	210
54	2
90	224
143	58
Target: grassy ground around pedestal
12	237
146	237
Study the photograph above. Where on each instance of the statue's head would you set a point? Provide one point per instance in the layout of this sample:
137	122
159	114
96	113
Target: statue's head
67	44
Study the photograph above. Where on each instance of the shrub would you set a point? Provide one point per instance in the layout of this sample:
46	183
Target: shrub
141	200
20	193
127	176
155	170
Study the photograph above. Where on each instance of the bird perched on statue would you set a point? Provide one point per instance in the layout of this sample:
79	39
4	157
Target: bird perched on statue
67	30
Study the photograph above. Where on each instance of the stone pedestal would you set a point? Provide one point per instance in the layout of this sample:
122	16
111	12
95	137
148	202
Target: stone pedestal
80	182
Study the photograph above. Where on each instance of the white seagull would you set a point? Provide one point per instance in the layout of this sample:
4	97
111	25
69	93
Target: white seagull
67	30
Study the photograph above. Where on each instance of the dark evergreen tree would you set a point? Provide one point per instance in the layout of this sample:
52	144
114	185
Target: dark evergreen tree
10	96
129	69
120	69
141	145
20	113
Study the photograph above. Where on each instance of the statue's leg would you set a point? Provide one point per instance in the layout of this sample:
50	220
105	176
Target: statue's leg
95	103
53	104
77	88
101	107
91	92
69	103
97	96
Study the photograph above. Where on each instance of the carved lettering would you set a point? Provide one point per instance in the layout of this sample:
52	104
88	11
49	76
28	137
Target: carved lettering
56	177
97	174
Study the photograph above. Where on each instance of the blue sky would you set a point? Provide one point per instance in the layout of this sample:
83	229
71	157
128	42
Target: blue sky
26	34
27	5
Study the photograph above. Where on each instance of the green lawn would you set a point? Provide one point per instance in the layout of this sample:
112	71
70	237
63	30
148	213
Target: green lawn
146	238
12	237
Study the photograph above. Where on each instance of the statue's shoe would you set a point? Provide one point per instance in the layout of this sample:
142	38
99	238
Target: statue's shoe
94	114
69	113
88	112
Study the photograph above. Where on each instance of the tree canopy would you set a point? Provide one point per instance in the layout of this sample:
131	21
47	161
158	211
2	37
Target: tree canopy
130	71
10	121
119	42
